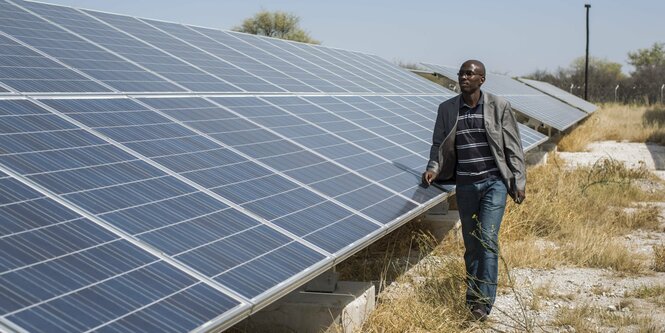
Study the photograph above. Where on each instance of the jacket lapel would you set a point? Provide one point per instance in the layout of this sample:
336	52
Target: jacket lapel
489	117
488	110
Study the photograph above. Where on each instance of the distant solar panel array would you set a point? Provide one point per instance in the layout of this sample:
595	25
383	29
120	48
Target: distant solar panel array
164	177
561	94
525	99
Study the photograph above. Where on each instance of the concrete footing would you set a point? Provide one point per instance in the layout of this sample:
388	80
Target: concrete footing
344	310
439	220
538	156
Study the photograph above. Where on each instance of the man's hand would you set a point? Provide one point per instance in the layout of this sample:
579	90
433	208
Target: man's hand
519	197
428	178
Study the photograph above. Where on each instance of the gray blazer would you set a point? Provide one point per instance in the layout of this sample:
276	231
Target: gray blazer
503	138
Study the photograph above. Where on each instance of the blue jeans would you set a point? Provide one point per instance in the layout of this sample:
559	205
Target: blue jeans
481	207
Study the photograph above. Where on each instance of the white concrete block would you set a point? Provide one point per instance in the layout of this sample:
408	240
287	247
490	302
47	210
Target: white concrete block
439	223
345	310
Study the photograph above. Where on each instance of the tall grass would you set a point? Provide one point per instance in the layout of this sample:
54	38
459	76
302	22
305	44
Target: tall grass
618	122
572	217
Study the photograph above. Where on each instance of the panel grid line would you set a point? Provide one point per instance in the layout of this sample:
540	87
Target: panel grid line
157	48
249	57
47	193
234	35
209	53
58	61
171	173
102	47
284	43
249	157
306	148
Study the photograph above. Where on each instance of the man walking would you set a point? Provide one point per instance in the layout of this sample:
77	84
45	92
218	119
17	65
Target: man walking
477	144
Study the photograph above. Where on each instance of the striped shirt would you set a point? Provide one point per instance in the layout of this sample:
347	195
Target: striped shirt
475	161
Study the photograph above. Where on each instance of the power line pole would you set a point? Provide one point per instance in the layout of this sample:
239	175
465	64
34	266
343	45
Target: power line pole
586	63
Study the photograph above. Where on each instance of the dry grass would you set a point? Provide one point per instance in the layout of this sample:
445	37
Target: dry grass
646	291
432	304
572	217
389	257
659	258
618	122
585	318
544	292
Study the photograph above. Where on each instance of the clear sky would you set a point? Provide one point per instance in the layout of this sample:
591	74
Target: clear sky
512	37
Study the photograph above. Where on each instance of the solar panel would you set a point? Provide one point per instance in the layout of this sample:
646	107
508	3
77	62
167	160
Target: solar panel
527	100
78	53
62	272
530	138
143	201
26	70
119	119
166	66
426	107
169	211
561	94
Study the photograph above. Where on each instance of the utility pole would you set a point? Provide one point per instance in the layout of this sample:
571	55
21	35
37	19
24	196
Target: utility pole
586	63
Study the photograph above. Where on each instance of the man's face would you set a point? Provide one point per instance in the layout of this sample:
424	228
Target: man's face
470	78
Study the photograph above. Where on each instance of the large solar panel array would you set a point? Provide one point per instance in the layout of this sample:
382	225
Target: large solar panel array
527	100
164	177
561	94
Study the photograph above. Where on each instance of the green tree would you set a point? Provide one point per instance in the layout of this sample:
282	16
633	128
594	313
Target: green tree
276	24
604	75
649	74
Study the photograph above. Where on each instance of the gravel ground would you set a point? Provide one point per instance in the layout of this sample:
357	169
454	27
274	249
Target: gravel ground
652	156
598	288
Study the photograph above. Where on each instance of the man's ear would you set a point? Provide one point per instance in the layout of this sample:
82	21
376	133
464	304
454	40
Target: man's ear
482	79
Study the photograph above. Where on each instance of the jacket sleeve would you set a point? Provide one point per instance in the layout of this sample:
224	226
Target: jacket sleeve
513	147
437	139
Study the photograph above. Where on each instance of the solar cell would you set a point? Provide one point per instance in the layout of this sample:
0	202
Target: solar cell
400	77
359	129
219	169
78	275
527	100
208	62
561	94
78	53
272	149
285	50
273	69
530	138
348	70
341	77
28	71
128	47
284	61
